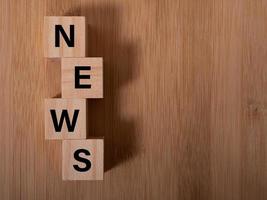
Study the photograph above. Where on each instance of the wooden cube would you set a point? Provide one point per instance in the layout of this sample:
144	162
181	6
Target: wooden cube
83	159
82	77
64	37
65	119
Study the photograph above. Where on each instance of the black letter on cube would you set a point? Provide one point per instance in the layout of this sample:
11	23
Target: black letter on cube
69	40
84	160
64	115
78	76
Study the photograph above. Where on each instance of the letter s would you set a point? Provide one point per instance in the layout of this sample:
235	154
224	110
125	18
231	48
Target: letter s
81	159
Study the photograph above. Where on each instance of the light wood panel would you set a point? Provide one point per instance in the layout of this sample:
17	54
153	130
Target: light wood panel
184	113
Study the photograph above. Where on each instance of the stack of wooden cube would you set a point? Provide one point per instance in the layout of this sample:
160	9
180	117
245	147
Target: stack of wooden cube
66	117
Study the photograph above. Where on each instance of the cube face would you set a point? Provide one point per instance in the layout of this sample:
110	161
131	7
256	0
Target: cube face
65	119
83	159
82	77
55	43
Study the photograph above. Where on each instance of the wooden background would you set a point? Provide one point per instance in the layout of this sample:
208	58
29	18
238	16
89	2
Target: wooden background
185	108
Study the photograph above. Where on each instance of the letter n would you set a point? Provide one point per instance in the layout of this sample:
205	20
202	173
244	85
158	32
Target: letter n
69	40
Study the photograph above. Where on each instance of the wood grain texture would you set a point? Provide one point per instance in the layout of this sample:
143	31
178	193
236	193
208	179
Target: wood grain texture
184	113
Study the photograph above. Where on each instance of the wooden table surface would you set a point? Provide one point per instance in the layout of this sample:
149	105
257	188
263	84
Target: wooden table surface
185	108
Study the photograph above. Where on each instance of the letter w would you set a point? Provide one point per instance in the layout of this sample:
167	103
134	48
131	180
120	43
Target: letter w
64	114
